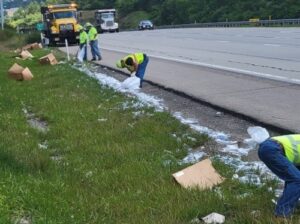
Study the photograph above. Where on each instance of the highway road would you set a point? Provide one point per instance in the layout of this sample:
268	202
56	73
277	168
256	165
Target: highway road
211	66
268	52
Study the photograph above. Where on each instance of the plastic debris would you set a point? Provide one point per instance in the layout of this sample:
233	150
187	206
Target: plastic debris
131	83
214	218
193	157
219	114
258	134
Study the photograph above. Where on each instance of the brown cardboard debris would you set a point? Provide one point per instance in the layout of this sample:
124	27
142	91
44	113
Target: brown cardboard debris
36	46
32	46
25	55
17	72
200	175
48	59
27	75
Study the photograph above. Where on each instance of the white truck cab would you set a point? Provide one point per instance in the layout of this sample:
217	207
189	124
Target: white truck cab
106	20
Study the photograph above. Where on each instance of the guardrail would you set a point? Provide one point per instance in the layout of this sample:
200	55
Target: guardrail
253	23
264	23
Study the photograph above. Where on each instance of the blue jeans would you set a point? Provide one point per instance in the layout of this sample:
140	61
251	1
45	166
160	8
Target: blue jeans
272	155
95	49
141	69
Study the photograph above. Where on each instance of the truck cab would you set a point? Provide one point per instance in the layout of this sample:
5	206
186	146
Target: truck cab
106	20
60	23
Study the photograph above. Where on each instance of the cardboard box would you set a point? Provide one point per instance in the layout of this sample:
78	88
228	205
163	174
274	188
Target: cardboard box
36	46
17	72
32	46
48	59
25	55
201	175
27	75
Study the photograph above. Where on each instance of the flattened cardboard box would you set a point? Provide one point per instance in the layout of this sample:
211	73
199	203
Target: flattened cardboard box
48	59
200	175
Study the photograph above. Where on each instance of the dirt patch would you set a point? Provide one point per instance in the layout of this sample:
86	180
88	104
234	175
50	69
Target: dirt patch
36	122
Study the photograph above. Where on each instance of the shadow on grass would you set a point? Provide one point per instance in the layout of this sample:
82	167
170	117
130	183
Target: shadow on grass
35	163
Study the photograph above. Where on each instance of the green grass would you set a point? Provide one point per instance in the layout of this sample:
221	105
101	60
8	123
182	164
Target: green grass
107	172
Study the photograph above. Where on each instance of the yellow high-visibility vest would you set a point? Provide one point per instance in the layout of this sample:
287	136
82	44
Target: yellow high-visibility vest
291	145
136	57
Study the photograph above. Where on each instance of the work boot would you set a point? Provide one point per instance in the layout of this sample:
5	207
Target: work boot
99	58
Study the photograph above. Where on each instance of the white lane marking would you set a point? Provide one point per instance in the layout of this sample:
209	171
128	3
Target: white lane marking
272	45
220	67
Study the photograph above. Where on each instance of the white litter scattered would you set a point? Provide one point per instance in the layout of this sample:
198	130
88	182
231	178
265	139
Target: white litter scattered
250	168
102	119
258	134
219	137
193	157
105	80
131	83
235	150
214	218
43	146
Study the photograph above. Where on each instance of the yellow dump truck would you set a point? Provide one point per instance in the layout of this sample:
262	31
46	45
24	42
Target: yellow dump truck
60	22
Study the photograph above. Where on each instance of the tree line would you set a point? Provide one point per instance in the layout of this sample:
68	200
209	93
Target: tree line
166	12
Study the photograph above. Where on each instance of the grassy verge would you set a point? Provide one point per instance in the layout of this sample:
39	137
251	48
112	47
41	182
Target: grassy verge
99	162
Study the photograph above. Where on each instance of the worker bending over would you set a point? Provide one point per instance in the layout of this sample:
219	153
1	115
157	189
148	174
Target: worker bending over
136	62
282	156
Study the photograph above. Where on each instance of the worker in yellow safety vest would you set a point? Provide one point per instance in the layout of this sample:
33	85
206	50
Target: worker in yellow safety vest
282	156
93	38
83	40
136	62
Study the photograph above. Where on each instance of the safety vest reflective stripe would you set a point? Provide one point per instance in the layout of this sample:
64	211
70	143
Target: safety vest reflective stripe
295	145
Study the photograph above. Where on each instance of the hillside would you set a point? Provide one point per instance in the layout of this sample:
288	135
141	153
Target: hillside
164	12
